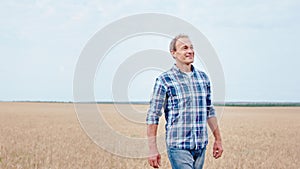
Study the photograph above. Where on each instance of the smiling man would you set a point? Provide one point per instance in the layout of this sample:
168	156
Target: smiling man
185	95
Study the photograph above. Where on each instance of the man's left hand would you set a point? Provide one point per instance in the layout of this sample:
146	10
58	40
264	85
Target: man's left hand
217	149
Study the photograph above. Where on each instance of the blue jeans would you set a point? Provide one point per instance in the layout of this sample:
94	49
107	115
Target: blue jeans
186	159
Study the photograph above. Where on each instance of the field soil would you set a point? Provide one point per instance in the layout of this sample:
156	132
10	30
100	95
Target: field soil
53	135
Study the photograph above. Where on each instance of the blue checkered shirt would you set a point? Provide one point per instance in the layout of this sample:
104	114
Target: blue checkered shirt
186	100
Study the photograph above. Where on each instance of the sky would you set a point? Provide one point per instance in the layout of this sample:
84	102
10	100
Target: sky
257	43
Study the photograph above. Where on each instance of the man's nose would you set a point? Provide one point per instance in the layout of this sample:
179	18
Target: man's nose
190	50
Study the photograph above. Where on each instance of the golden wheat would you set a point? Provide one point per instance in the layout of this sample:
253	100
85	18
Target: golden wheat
48	135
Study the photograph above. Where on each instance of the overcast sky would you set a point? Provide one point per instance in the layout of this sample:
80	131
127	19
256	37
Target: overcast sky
257	43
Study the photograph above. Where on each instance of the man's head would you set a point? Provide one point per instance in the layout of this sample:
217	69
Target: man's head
182	49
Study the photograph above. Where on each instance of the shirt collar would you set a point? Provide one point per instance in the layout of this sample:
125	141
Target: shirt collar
178	70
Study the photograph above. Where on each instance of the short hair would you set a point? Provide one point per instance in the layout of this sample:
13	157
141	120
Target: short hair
174	40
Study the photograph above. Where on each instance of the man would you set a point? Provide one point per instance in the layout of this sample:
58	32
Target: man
184	93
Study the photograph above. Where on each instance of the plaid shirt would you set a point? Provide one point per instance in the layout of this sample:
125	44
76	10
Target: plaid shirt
187	106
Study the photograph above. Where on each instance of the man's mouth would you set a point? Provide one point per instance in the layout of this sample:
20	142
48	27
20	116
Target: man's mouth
190	56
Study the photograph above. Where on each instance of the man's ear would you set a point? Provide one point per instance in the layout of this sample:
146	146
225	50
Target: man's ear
172	53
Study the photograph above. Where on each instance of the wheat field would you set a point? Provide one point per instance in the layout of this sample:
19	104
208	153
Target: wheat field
49	135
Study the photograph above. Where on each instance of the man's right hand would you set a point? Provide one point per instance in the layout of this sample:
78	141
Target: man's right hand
154	159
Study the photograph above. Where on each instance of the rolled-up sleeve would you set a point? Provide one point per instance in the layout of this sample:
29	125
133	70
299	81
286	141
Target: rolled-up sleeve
210	108
156	103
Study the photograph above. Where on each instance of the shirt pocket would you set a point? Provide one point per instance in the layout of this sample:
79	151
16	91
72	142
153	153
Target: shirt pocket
181	100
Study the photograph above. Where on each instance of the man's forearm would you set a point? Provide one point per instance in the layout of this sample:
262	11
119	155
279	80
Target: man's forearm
213	125
151	133
154	156
217	147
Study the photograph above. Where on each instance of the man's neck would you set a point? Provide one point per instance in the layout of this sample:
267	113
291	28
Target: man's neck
184	67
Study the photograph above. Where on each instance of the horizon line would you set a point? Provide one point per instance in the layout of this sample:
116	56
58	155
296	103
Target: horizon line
229	103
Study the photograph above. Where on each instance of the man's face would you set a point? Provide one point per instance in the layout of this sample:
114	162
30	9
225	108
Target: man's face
184	53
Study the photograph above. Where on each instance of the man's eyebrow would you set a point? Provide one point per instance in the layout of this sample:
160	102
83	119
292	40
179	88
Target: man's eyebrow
183	46
186	45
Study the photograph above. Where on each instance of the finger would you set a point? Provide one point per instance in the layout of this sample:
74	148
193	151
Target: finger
155	164
215	152
158	160
152	163
218	154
